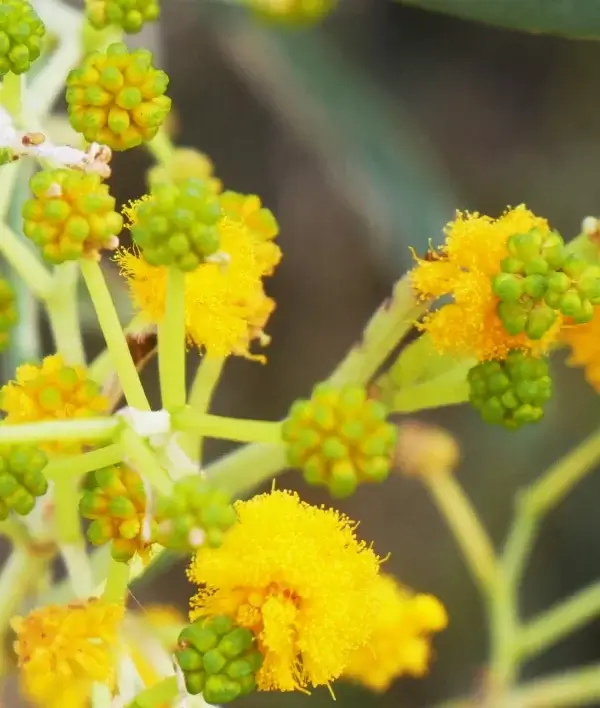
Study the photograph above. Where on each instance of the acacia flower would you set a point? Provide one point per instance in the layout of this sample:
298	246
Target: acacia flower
299	579
62	650
400	643
225	303
464	268
51	391
584	341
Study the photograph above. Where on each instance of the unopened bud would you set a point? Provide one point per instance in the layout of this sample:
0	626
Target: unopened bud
424	449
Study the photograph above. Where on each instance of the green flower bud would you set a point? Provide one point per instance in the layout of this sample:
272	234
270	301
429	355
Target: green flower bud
129	15
178	224
116	98
511	392
218	659
21	479
21	33
8	312
340	438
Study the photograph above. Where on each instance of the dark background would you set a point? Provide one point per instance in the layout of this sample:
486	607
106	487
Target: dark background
363	135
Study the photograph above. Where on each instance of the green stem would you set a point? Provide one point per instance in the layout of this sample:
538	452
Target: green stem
101	368
559	621
79	465
66	517
161	148
114	335
89	429
466	527
117	582
22	259
63	313
79	571
171	343
12	90
216	426
245	469
446	390
143	460
386	329
577	687
202	392
156	696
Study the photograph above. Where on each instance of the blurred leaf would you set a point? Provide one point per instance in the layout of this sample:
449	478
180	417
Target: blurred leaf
577	19
368	142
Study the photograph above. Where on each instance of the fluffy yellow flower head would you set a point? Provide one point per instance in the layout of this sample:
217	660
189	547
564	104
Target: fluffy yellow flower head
62	650
225	303
51	391
464	268
297	577
400	641
584	341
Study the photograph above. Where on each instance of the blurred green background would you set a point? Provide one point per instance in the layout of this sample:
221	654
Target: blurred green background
363	135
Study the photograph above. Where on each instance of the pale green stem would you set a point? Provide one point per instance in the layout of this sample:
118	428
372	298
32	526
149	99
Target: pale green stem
79	570
577	687
203	388
466	527
446	390
171	343
117	582
63	312
559	621
12	90
79	465
143	460
89	429
159	694
216	426
161	148
101	368
114	335
23	260
386	329
15	530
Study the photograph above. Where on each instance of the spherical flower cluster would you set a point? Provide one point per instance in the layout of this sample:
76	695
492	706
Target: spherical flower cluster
225	304
185	163
218	659
8	312
294	12
584	342
299	580
511	392
464	268
340	438
21	479
130	15
21	34
115	502
62	650
116	98
177	224
72	215
400	641
51	391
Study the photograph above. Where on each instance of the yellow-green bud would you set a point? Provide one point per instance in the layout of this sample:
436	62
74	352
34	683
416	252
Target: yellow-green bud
21	33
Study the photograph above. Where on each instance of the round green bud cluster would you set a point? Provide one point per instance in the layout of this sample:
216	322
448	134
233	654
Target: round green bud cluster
538	280
178	224
115	502
72	215
510	392
8	312
116	98
218	659
129	15
340	438
194	514
293	12
21	33
21	479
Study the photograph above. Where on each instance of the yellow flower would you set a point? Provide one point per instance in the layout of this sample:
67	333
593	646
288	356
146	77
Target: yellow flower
62	650
297	577
464	268
400	641
51	391
584	340
225	303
